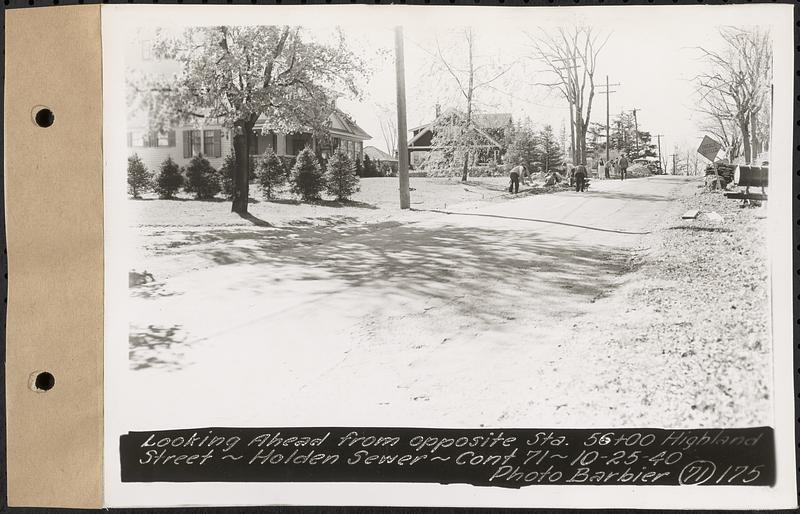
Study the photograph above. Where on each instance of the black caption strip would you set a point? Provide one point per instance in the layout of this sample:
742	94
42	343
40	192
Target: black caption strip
483	457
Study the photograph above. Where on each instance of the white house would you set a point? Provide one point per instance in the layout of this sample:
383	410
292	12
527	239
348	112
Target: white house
214	141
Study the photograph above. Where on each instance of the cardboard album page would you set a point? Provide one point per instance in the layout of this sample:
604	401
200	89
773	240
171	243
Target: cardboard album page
403	256
54	228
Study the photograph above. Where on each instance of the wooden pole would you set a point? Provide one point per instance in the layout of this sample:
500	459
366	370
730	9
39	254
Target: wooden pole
402	132
661	165
608	117
608	120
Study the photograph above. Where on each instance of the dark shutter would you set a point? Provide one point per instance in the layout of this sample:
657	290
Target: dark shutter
171	138
187	144
217	143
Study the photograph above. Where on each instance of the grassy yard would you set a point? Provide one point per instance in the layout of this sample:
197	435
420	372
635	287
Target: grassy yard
378	199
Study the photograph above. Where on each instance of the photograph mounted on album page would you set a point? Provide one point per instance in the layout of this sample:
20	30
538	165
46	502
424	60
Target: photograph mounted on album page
446	256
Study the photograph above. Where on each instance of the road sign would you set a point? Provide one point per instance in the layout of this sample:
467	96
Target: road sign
709	148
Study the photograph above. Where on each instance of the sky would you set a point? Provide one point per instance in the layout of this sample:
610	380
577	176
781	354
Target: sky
653	63
652	52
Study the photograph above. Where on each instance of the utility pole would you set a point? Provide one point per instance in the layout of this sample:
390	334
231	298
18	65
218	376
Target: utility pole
659	136
402	131
608	118
636	127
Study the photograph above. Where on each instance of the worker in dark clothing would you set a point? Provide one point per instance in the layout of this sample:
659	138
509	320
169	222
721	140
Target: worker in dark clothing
623	167
580	178
517	174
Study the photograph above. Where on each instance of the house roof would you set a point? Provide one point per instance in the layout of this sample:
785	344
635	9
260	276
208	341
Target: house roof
344	124
340	125
483	122
377	154
493	120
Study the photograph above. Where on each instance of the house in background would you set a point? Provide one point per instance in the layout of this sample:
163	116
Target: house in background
490	128
382	160
345	135
214	141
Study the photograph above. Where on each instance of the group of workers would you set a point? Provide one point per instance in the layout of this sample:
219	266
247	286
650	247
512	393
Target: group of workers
618	165
577	175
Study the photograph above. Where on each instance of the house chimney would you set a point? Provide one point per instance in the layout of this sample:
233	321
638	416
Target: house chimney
438	110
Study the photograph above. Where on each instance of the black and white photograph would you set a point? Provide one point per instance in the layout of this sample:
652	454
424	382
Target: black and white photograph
466	218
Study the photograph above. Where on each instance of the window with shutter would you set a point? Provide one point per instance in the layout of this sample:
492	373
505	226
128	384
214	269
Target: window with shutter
162	139
208	143
171	138
187	144
196	141
217	143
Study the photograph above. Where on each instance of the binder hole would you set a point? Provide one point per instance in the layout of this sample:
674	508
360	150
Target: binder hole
44	117
42	381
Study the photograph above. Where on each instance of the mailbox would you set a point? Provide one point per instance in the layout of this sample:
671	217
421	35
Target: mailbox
751	176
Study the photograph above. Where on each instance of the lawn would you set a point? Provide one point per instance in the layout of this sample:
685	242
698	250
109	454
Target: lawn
378	199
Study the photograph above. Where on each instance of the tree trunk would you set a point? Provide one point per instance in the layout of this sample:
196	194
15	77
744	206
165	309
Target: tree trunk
571	132
580	138
754	136
470	92
241	183
745	128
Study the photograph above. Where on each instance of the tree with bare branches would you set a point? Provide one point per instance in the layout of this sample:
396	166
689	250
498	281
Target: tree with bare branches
570	55
387	117
456	137
735	91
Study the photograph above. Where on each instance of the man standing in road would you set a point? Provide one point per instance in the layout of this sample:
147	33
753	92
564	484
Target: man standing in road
623	166
580	177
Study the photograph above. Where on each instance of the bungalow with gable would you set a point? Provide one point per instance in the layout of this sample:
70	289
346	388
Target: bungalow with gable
490	127
214	141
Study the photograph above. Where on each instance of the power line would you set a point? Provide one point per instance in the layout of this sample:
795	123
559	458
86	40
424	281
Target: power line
608	119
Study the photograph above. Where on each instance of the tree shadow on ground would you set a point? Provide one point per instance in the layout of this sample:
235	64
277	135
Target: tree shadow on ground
151	290
485	266
254	220
337	204
156	347
285	201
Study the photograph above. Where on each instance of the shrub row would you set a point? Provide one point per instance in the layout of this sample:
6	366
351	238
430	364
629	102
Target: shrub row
307	178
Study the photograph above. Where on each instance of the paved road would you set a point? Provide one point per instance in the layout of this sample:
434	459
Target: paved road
456	319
